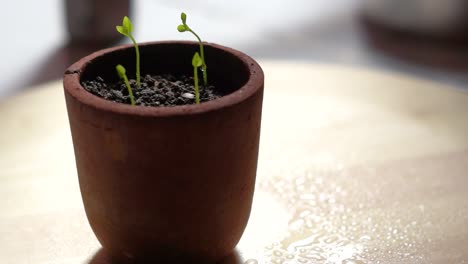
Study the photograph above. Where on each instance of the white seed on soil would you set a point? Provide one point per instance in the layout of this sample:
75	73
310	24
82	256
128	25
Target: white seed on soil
188	95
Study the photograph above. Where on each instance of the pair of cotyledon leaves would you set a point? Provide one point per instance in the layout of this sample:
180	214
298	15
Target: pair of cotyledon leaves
183	27
127	27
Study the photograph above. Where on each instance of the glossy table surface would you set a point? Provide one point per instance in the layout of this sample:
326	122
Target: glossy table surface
355	166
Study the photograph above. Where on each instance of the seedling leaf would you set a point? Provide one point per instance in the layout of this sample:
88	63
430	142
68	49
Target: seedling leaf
127	24
183	17
181	28
121	30
120	71
196	60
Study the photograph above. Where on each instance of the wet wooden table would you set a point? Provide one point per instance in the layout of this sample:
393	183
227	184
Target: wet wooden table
356	166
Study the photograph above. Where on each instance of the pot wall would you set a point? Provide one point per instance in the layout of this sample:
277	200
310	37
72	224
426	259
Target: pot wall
165	183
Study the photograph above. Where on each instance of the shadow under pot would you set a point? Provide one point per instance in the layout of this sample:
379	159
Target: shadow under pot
167	183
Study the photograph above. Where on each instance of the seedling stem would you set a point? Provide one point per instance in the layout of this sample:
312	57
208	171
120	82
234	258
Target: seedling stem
196	63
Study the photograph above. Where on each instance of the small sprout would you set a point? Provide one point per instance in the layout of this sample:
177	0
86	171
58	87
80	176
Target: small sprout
122	74
196	63
126	29
184	28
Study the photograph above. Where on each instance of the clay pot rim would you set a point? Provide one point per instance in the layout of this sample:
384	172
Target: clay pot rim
72	86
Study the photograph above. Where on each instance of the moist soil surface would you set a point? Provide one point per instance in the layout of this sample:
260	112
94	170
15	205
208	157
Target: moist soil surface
155	90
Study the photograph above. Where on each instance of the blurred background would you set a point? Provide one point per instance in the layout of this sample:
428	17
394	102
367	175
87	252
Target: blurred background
425	38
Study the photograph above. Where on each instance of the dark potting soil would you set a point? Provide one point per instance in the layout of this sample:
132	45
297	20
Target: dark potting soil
155	90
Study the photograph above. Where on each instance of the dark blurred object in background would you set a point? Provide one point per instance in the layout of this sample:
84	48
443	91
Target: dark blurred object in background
431	32
90	25
94	21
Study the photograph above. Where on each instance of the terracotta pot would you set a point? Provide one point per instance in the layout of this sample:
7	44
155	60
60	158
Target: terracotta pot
167	183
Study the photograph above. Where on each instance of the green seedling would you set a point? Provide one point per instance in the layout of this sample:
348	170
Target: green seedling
126	29
196	63
122	74
184	28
